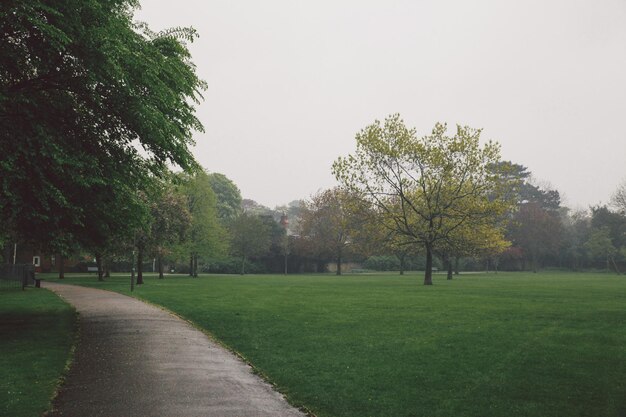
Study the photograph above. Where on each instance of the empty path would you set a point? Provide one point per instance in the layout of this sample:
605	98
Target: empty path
136	360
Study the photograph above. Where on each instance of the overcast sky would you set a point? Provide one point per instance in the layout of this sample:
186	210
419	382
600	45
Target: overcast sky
291	82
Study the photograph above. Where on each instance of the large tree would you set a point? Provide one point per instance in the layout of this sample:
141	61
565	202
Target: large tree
90	104
426	188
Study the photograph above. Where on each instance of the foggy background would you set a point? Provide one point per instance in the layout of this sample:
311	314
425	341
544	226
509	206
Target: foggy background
290	83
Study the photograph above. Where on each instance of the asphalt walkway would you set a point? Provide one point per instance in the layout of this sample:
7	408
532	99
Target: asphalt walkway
136	360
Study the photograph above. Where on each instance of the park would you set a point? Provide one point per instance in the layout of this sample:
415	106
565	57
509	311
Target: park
318	209
545	344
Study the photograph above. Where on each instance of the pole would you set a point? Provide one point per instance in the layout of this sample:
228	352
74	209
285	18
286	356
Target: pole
132	270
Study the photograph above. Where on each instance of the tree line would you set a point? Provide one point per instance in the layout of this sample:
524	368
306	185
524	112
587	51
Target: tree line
93	124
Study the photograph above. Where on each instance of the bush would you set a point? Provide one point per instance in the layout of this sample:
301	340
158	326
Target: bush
382	263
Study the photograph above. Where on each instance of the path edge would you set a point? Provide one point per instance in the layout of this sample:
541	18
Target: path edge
60	382
206	332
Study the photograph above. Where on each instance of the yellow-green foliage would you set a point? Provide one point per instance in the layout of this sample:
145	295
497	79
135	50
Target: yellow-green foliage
438	191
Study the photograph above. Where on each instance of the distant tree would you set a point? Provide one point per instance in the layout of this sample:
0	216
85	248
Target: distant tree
206	236
520	186
252	207
477	241
228	197
330	221
618	199
115	213
537	208
250	236
91	104
614	222
600	246
537	231
171	221
293	211
428	187
576	232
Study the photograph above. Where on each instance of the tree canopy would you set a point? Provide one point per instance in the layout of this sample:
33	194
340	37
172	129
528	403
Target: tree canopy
228	196
90	103
426	188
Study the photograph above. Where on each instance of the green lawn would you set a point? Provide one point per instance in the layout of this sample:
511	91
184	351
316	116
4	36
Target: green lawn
384	345
36	335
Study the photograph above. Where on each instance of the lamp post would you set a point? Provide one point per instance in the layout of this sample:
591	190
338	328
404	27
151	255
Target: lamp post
132	269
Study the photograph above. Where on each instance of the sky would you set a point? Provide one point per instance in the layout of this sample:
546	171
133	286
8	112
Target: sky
291	82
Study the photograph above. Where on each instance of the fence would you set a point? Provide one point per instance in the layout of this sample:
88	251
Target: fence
16	276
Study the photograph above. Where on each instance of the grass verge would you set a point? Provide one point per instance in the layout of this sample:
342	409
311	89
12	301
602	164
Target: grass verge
37	331
384	345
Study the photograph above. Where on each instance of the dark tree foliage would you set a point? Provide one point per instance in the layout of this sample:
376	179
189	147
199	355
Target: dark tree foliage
521	188
91	106
614	222
228	196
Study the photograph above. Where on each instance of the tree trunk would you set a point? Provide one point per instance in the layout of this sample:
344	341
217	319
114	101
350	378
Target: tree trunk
428	274
139	265
160	266
61	267
285	263
191	265
243	265
195	265
456	265
615	266
339	263
99	265
449	265
401	258
107	267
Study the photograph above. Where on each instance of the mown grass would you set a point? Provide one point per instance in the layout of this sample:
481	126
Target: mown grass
384	345
36	335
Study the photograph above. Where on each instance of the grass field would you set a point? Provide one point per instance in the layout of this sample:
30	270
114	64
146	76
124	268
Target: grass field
36	334
384	345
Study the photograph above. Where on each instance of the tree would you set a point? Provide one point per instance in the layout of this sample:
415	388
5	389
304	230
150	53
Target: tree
228	197
600	246
250	236
521	186
426	188
618	199
473	240
206	236
171	222
576	231
537	231
91	104
330	220
535	223
614	222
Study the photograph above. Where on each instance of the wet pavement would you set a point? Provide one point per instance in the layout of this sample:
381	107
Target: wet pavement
134	359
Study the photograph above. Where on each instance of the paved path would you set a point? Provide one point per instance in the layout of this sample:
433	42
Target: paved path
136	360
